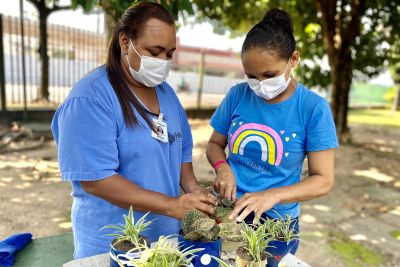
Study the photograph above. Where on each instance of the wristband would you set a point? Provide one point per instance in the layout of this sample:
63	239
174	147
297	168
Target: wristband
219	162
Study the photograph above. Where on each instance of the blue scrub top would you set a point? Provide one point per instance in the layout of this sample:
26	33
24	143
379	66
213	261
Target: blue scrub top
94	143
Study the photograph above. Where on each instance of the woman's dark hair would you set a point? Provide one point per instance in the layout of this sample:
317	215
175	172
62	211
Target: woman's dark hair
132	23
273	33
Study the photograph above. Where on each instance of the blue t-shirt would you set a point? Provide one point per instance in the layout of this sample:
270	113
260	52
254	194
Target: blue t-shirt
94	143
267	143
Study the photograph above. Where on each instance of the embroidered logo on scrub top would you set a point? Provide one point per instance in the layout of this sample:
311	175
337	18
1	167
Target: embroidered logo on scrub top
172	137
270	142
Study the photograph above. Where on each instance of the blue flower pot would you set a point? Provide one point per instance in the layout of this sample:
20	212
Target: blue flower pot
278	250
121	255
203	258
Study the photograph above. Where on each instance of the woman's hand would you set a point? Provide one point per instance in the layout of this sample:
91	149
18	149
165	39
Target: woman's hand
225	183
258	203
202	201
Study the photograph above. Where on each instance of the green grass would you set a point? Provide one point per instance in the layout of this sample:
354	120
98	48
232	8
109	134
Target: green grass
354	254
380	117
396	234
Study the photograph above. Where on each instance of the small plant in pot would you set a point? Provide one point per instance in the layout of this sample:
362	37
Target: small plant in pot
164	254
253	252
223	209
128	239
202	232
284	238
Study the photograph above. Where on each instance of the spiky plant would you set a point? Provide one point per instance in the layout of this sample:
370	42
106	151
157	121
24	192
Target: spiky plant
281	229
164	254
221	262
131	230
255	241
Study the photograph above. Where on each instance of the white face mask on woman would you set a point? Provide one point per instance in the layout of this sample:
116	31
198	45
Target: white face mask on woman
152	72
272	87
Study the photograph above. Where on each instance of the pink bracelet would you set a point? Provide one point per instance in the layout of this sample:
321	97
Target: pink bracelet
219	162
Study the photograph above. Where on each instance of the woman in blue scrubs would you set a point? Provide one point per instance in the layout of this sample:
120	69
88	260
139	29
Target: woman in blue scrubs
124	139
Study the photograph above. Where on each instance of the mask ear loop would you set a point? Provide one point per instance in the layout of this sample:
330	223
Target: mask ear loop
130	40
127	58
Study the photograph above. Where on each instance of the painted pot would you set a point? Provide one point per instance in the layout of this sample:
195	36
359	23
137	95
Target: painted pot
122	255
240	262
278	249
203	258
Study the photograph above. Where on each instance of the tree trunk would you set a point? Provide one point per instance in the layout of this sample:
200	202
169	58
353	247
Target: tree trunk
43	92
341	75
396	102
110	19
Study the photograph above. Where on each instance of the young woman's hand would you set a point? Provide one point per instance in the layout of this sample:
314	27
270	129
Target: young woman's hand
258	203
225	183
202	201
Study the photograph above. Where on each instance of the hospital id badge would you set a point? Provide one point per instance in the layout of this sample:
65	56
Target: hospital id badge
161	128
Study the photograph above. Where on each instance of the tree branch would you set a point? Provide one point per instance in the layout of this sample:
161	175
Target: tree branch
328	24
353	29
57	8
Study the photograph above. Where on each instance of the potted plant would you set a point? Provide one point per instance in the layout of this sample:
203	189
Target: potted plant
253	252
284	238
223	209
128	240
202	232
164	254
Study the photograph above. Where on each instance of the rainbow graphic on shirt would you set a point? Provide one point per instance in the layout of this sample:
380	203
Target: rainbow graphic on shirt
270	142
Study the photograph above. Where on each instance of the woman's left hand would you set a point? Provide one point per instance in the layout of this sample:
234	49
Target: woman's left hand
258	203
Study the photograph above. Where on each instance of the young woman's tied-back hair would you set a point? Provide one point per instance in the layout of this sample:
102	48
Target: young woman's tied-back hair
274	34
132	23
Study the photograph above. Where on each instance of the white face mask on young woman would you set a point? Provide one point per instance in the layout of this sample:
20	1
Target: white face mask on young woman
152	72
272	87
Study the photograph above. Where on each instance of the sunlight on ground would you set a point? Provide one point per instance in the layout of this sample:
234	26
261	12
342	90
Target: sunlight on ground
375	117
358	237
7	179
307	218
65	225
16	164
396	211
374	174
321	207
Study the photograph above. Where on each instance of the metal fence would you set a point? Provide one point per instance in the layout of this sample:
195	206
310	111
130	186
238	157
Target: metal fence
197	78
72	53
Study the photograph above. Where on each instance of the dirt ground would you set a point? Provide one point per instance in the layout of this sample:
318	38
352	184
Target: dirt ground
358	224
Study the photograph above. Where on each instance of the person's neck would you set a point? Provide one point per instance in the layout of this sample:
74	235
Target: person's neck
285	94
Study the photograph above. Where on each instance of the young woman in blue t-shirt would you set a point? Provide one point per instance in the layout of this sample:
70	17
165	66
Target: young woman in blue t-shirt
270	124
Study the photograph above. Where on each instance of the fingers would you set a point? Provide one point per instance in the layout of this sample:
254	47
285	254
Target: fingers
205	208
226	189
242	199
257	217
233	193
242	204
244	213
